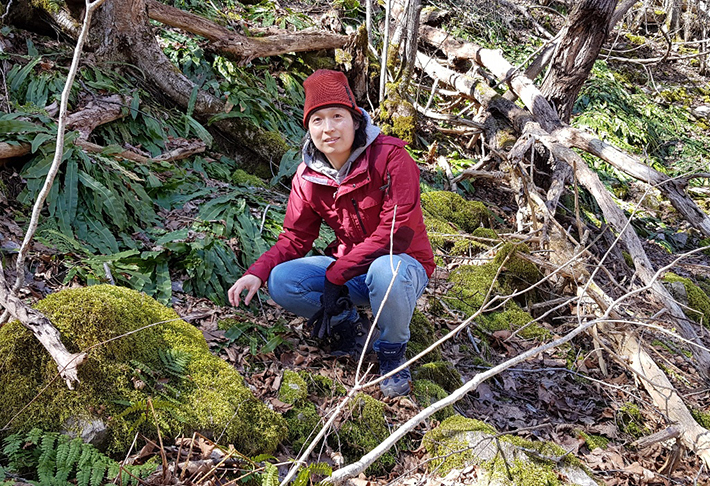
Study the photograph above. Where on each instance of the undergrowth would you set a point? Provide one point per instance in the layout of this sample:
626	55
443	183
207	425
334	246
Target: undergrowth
50	458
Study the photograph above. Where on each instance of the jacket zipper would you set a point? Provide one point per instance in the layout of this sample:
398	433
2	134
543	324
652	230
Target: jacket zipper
359	218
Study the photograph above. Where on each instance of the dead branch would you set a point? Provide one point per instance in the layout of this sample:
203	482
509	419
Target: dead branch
98	112
569	136
524	123
239	47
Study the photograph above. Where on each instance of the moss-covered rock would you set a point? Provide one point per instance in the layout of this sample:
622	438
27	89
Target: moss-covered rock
421	337
442	373
503	460
322	386
166	360
365	429
293	388
243	178
698	300
427	392
303	424
451	207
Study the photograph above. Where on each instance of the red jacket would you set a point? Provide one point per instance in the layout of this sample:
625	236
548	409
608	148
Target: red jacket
360	211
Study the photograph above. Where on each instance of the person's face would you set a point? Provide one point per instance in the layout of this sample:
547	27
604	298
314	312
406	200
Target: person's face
333	131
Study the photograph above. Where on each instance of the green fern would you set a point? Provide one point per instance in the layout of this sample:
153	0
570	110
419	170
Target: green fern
175	362
307	473
56	459
271	475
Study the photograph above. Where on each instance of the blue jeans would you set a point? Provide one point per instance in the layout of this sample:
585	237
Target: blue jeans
297	286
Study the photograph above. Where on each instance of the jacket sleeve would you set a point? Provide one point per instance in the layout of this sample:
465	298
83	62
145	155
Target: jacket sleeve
300	229
403	192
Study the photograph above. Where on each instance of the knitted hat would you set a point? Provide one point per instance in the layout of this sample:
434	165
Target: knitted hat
327	88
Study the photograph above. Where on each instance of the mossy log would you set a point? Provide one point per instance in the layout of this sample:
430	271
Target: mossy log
137	350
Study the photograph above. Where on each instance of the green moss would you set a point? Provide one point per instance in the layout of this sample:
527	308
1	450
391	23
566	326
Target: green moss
322	386
293	388
636	39
631	421
421	337
427	392
705	243
442	373
698	300
451	446
701	417
243	178
517	267
303	422
628	259
594	441
487	233
447	451
521	473
471	284
209	396
363	431
451	207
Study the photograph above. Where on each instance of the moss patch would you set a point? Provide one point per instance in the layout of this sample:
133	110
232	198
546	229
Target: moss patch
421	337
322	386
442	442
460	442
449	206
471	285
118	377
293	388
427	392
365	430
443	373
243	178
303	424
697	299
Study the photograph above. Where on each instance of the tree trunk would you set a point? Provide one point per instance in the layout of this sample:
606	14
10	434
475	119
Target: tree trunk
582	38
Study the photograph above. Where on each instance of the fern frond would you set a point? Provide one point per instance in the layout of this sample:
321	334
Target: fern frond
140	405
47	458
175	362
271	477
98	470
83	474
306	473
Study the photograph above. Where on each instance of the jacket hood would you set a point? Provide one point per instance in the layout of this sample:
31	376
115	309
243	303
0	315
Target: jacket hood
319	163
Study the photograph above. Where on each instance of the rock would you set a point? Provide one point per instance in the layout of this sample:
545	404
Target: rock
461	442
132	338
702	111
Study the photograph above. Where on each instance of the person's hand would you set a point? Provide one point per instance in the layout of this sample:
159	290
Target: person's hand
336	298
248	282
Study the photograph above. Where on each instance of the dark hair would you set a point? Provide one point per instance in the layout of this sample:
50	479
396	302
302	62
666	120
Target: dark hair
359	140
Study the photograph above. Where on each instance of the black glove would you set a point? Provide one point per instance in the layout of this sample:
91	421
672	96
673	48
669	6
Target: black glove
335	300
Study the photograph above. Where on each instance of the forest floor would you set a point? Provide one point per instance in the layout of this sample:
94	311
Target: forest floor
559	396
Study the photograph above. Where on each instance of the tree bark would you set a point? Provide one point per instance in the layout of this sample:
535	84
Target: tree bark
582	37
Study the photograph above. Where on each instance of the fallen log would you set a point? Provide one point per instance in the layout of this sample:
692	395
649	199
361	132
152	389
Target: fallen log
241	48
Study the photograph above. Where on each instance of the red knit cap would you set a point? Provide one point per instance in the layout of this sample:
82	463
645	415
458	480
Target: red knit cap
327	88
